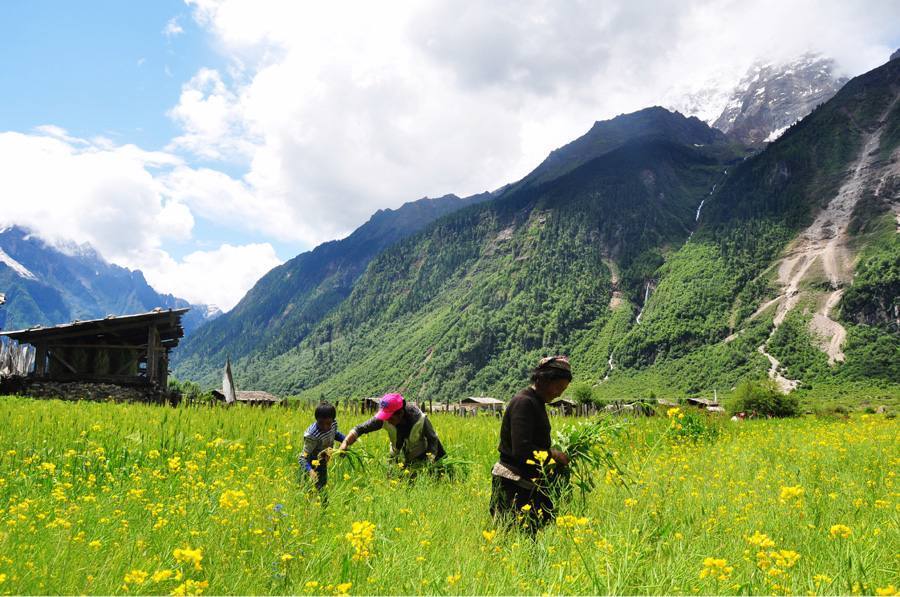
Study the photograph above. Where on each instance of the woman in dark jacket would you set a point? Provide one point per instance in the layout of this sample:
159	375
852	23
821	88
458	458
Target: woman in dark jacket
517	488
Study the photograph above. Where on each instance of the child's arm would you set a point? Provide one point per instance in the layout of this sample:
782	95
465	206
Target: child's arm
309	450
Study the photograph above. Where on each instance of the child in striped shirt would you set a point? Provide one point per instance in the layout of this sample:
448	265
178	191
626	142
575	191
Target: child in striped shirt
317	438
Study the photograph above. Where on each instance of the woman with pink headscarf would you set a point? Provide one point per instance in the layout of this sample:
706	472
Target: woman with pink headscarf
413	439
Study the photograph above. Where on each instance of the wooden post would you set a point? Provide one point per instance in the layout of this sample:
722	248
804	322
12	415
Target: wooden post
40	361
152	354
164	371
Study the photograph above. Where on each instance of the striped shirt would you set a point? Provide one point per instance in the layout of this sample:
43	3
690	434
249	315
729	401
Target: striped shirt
315	440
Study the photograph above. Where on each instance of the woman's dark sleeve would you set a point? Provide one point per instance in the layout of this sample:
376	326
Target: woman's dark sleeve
522	422
369	426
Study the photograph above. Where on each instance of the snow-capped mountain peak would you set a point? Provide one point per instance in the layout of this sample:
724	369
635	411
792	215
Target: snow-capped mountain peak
767	100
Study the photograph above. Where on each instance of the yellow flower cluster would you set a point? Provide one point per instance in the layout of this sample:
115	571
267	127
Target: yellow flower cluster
135	577
788	493
716	568
187	555
840	531
776	562
760	541
570	522
190	587
361	537
233	499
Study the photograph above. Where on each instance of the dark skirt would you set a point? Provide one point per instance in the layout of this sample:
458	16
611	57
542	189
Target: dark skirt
528	508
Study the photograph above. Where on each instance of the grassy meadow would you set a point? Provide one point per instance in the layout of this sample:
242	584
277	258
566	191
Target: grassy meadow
139	499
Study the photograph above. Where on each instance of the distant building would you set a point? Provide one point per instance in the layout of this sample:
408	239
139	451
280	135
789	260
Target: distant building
253	397
474	403
127	350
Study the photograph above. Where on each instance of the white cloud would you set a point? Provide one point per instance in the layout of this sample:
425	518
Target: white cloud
220	277
68	188
127	203
337	110
172	28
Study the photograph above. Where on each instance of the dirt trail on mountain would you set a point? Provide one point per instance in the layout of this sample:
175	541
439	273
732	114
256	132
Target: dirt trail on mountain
825	242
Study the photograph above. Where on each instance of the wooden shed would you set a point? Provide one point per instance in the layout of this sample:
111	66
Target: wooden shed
482	403
127	349
705	404
565	405
252	397
369	404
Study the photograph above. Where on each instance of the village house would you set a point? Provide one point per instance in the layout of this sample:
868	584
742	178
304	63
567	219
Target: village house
120	357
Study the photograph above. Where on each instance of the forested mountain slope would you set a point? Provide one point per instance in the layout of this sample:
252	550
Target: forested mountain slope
670	262
778	247
286	303
472	299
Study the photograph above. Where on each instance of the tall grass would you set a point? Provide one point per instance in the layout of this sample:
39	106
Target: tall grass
97	498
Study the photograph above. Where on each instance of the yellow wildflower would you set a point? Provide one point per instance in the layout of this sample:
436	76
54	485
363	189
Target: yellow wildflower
840	530
716	568
189	556
161	575
760	540
233	499
190	587
361	537
343	588
888	590
135	577
791	492
489	535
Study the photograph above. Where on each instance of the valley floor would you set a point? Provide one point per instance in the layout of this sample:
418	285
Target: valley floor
137	499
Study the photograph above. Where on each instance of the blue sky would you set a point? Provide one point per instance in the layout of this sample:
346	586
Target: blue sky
206	141
97	67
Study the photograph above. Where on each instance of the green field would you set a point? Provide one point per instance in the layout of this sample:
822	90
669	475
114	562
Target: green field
135	499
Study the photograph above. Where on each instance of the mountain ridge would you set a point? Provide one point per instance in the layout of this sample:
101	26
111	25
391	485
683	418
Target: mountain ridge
46	284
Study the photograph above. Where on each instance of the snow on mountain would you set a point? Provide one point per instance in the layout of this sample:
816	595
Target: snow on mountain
51	282
766	101
17	267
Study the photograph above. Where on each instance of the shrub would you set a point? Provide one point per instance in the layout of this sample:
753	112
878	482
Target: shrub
764	398
582	393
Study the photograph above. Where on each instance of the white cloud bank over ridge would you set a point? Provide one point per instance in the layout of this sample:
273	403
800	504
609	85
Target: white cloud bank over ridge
340	109
125	202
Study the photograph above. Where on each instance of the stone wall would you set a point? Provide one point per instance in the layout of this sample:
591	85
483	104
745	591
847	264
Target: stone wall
79	390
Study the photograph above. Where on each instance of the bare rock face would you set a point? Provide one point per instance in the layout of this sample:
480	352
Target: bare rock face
772	97
895	55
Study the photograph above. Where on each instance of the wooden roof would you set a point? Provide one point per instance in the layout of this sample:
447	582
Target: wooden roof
126	329
481	400
563	401
256	396
702	401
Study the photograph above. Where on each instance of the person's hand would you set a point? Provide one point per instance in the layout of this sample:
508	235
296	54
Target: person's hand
343	445
324	456
560	457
